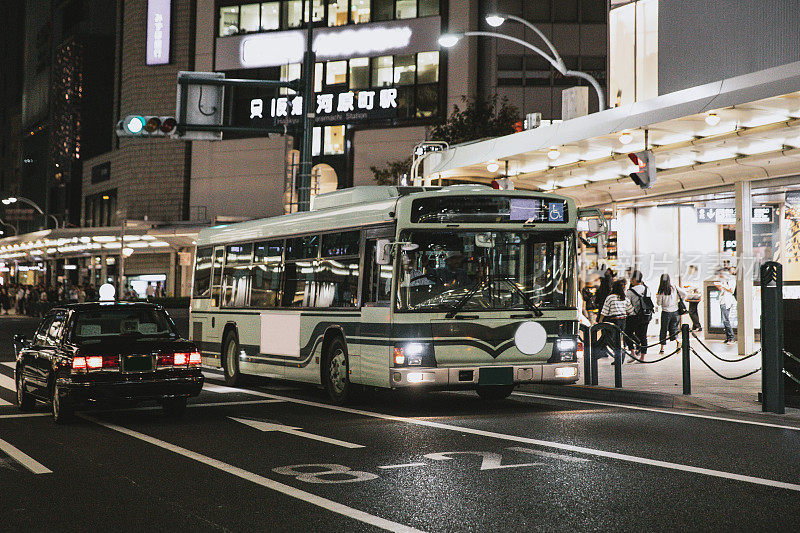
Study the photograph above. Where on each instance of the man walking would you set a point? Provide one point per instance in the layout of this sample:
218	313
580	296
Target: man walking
727	299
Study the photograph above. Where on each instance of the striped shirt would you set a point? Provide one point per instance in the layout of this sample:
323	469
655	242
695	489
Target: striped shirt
616	308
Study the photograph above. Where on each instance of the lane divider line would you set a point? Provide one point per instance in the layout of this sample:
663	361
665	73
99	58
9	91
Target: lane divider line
406	465
656	410
548	444
24	459
287	490
151	408
552	455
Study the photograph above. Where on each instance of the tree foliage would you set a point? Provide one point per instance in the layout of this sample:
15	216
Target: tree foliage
391	173
478	118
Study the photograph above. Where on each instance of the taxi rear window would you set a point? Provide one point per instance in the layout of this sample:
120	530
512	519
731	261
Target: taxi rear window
114	322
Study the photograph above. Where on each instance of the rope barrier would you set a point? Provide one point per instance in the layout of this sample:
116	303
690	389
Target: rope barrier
727	378
678	349
722	358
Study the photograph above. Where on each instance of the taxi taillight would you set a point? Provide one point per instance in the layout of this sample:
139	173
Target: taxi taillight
180	359
194	358
81	363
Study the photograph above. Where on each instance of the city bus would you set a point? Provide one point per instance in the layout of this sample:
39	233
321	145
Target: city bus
459	287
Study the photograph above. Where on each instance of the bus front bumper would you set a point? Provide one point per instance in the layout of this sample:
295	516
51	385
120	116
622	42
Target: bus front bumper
470	376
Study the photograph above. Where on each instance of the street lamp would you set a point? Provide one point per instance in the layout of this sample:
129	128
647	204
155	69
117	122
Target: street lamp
495	20
14	199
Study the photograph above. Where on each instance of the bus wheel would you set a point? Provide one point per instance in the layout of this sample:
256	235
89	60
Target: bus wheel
494	393
336	372
230	362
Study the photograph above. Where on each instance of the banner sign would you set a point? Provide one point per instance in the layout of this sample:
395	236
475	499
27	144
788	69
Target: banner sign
727	215
19	214
158	31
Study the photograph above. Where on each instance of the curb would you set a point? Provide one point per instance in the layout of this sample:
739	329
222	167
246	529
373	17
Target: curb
634	397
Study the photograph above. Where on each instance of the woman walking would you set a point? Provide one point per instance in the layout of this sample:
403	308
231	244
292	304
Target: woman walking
616	310
668	298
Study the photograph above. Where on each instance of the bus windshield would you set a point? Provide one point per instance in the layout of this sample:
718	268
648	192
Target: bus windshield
485	270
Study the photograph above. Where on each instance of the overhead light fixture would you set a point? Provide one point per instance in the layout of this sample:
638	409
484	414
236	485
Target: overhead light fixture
553	154
712	119
494	20
492	167
626	137
449	40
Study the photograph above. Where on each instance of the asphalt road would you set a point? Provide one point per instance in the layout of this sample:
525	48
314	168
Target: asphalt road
278	457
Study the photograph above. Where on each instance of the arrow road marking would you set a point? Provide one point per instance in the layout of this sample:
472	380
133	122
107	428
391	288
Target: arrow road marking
24	459
268	426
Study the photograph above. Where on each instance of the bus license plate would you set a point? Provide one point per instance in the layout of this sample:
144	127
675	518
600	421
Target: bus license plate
496	376
137	363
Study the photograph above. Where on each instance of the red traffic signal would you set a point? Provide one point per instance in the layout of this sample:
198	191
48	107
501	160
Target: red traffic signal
646	175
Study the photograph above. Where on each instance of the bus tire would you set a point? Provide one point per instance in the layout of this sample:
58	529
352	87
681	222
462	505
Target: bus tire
230	360
336	372
493	393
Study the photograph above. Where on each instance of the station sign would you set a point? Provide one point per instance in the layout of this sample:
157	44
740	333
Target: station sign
330	108
727	215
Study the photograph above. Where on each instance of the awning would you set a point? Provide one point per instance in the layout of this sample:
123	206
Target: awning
742	128
79	242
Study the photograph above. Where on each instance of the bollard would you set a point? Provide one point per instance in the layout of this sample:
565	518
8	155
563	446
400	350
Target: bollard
593	358
772	383
587	356
687	380
619	356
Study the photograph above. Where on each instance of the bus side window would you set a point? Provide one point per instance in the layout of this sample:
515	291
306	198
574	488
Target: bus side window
202	273
377	279
216	276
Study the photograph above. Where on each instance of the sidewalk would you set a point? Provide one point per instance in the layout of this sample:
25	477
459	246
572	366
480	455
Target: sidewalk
666	376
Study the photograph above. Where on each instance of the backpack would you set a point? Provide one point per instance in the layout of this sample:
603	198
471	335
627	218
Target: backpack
646	305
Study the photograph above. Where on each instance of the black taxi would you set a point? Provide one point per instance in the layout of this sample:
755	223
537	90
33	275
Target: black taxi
106	352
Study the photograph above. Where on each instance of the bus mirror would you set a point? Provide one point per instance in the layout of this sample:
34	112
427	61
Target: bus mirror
484	240
383	252
409	246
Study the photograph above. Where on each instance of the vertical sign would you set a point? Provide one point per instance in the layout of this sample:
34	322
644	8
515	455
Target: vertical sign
158	30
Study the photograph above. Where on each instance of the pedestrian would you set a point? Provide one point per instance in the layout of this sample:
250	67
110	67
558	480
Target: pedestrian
693	296
727	299
637	323
668	299
616	309
4	300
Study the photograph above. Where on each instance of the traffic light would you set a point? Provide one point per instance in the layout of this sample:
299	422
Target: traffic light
646	176
502	184
147	126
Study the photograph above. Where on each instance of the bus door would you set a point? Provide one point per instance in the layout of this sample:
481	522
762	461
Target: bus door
216	323
376	295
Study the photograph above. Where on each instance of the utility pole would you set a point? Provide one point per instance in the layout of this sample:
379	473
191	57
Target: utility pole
309	59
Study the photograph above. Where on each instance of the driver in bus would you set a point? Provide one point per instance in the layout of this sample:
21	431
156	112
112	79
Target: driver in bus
417	267
454	271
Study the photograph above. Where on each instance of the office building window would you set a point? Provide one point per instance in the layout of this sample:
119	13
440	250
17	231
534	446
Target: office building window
382	71
270	16
359	11
405	9
428	8
290	72
428	67
292	14
334	140
319	10
318	67
337	12
359	73
404	69
336	72
228	21
427	100
249	19
382	10
633	36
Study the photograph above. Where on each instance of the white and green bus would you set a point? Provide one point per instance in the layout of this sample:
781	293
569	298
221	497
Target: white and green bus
395	287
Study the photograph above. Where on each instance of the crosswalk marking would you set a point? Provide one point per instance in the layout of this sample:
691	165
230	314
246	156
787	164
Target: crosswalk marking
24	459
7	383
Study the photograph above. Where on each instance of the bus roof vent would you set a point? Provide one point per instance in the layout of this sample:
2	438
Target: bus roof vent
355	195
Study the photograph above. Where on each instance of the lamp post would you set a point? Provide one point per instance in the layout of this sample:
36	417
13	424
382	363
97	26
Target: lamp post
9	225
448	40
14	199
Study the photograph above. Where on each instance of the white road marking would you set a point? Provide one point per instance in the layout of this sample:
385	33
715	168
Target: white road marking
268	426
292	492
24	459
7	383
10	364
490	460
25	415
406	465
550	454
150	408
657	410
546	444
220	389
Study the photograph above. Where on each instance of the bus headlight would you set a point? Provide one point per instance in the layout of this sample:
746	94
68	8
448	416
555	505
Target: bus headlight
413	354
566	345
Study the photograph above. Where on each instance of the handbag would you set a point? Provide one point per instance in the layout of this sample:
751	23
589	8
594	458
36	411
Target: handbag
681	306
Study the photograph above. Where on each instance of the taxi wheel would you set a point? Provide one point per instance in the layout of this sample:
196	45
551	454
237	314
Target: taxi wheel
493	393
336	372
25	401
62	408
174	407
230	360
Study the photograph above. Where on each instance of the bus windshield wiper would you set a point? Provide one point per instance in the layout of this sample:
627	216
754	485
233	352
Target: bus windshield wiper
528	303
464	299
